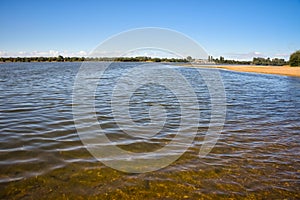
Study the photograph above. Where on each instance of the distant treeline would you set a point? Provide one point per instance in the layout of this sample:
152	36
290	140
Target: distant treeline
268	61
224	61
255	61
81	59
211	60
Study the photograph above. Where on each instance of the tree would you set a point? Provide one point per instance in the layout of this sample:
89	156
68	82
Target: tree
295	59
189	58
60	58
278	62
268	61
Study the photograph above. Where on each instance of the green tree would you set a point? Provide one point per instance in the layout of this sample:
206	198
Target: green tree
295	59
60	58
189	58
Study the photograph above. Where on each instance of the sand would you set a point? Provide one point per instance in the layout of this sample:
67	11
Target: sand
279	70
282	70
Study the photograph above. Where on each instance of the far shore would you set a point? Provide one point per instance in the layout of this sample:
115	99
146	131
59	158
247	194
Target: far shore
278	70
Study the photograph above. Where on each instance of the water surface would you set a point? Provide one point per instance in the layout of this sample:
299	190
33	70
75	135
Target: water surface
41	154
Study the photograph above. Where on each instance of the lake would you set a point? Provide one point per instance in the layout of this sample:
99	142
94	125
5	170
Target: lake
42	155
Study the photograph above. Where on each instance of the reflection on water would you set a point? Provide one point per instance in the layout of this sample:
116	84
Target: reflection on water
257	155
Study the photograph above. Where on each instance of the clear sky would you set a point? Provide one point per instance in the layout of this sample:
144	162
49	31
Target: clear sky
238	29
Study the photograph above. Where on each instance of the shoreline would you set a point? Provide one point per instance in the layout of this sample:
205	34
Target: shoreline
276	70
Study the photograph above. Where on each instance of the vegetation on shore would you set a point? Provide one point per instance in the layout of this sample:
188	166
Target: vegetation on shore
211	60
255	61
294	60
96	59
222	60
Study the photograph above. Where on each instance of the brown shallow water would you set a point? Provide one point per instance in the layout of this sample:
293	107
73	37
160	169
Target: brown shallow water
41	155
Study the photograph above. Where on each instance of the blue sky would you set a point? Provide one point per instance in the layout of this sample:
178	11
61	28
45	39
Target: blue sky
237	29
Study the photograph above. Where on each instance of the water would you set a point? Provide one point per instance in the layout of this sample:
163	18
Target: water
41	154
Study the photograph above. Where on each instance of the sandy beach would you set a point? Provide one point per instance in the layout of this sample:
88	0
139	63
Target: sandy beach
282	70
279	70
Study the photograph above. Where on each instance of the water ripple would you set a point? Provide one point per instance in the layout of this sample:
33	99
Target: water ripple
257	154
